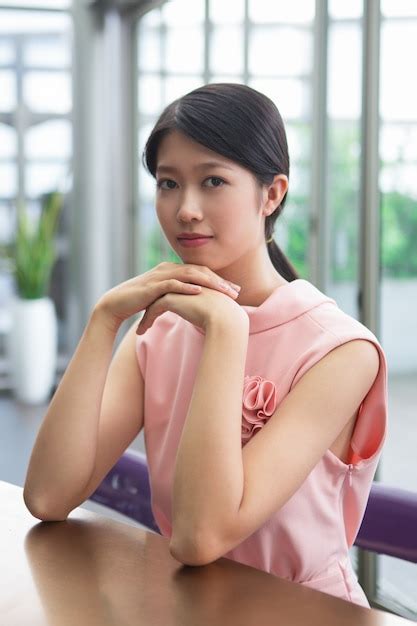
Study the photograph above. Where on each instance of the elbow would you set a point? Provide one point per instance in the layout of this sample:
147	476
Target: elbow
42	510
192	552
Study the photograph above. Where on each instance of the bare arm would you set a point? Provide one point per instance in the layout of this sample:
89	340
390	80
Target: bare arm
223	493
97	409
208	476
85	416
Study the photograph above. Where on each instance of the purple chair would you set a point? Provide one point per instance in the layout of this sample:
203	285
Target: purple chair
389	525
126	489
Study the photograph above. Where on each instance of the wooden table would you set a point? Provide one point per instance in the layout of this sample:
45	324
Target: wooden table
90	570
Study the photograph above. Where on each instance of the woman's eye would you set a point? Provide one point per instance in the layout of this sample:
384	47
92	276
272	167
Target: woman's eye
165	180
215	178
168	180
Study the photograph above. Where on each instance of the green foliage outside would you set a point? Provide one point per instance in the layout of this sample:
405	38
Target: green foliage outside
399	235
398	218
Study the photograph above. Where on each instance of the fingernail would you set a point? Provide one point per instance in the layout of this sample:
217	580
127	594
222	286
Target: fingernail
229	287
237	287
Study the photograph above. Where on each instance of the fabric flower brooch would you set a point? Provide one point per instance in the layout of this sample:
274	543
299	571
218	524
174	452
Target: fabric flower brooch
259	403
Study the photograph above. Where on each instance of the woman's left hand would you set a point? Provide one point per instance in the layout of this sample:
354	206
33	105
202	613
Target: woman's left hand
198	309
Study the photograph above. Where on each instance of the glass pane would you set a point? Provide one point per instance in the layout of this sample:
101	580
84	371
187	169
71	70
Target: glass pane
340	9
7	90
179	43
15	22
176	86
42	178
279	50
399	8
401	177
48	91
7	52
143	134
291	230
228	12
49	4
8	180
299	180
281	11
398	92
49	140
397	581
47	53
6	222
343	202
399	210
8	141
7	291
344	86
183	12
226	49
149	49
147	188
151	18
299	143
220	78
33	211
292	97
398	186
398	142
149	94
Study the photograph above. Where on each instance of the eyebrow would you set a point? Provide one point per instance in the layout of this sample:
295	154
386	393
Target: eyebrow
200	166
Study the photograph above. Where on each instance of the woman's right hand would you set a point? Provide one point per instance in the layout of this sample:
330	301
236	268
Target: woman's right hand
139	292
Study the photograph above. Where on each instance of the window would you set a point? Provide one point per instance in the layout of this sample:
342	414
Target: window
398	189
35	125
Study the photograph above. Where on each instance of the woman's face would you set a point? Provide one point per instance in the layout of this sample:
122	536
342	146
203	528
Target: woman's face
219	200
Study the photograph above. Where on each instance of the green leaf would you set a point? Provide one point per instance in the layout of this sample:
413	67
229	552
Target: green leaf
33	250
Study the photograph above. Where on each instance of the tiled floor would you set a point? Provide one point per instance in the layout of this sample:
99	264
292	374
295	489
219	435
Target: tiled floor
19	425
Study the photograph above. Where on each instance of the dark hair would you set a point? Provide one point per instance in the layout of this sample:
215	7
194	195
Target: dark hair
239	123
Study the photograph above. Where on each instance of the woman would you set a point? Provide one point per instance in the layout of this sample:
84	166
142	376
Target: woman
265	410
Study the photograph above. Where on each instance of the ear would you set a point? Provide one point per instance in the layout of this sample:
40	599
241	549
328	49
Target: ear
275	193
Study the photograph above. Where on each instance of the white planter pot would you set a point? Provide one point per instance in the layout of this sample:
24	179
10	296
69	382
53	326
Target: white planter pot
32	349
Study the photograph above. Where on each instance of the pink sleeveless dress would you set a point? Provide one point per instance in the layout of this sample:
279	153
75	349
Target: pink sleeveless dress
308	539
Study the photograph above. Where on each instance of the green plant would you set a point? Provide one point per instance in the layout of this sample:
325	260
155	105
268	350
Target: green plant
33	251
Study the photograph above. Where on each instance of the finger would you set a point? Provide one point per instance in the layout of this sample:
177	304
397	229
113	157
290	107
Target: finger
207	278
151	313
143	324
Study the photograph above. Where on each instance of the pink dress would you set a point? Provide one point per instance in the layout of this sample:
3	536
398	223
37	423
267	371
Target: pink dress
308	539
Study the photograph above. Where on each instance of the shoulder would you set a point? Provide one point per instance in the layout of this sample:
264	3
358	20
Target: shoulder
336	340
357	357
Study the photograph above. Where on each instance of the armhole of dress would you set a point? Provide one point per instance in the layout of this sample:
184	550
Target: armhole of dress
371	425
140	355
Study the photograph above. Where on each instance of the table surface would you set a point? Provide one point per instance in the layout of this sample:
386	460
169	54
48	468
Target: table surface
91	570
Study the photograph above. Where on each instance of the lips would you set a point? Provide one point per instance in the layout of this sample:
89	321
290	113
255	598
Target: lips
193	242
195	237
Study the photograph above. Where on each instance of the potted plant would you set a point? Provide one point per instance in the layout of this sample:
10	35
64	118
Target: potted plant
33	338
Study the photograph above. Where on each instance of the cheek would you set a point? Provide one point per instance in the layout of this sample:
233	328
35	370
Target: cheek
163	215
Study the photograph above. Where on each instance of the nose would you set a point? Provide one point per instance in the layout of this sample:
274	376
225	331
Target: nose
189	208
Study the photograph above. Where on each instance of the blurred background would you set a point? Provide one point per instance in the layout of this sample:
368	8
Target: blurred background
81	85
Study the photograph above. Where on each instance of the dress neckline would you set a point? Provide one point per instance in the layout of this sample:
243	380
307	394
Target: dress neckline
284	303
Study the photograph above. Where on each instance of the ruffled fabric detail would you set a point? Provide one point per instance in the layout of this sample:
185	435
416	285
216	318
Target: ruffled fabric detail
259	403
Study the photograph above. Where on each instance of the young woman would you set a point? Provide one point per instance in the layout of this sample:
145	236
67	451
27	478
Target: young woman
264	408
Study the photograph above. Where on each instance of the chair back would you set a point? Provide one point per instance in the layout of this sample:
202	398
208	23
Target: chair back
126	489
389	525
